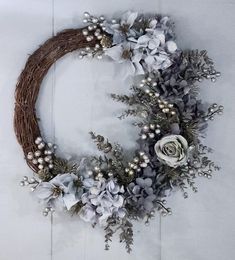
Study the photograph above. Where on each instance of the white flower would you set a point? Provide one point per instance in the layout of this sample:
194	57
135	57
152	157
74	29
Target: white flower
60	191
140	50
156	51
127	57
151	40
102	200
172	150
157	61
128	18
122	29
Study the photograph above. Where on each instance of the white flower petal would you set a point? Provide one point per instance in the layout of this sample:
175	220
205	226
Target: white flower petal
139	69
140	182
149	191
121	213
136	189
58	203
154	43
171	46
137	56
87	214
143	41
103	219
118	201
100	210
183	141
127	69
113	187
148	182
64	181
160	35
129	18
69	200
94	190
154	51
115	53
148	205
88	183
118	37
153	24
149	60
44	190
106	202
164	20
85	198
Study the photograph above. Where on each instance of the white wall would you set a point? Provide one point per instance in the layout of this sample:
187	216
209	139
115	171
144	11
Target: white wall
74	100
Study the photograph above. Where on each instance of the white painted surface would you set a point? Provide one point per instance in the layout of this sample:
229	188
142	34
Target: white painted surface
203	227
74	100
24	232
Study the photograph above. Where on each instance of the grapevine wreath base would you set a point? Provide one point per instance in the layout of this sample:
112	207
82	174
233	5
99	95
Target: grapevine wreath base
118	187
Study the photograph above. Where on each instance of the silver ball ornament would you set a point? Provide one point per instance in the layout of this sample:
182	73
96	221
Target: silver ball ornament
38	140
40	160
37	153
40	166
86	15
41	146
85	32
102	18
47	158
94	20
143	136
157	131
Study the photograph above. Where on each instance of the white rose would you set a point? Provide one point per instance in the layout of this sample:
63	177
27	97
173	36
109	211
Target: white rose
172	150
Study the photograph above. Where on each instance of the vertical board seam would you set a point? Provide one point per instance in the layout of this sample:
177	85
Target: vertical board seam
160	220
52	111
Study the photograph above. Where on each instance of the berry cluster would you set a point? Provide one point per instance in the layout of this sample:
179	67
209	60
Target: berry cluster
43	157
140	161
150	131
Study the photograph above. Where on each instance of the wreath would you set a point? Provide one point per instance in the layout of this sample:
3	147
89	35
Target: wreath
119	187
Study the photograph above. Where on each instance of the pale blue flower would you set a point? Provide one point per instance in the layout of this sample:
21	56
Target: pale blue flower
125	54
141	50
60	191
141	194
102	199
122	29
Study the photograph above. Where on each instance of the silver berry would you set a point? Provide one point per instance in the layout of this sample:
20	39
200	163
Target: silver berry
38	140
86	15
37	153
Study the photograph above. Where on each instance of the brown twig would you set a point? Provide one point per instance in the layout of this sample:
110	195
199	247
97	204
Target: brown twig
28	85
